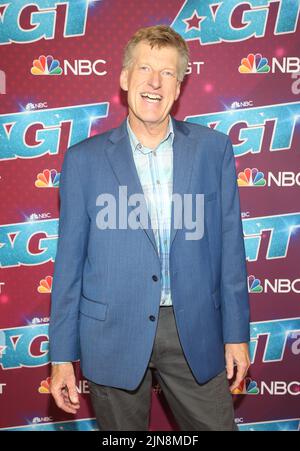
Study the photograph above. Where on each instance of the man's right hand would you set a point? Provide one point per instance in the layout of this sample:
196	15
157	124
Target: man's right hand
63	387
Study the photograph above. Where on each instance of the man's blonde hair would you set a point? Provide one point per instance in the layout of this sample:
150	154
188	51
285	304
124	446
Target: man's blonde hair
159	36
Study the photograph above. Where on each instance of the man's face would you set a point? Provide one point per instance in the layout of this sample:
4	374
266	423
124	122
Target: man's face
151	82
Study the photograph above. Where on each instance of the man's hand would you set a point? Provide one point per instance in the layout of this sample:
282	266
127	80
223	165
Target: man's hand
63	387
237	354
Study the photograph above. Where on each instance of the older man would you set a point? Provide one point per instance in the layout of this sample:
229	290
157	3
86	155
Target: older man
151	294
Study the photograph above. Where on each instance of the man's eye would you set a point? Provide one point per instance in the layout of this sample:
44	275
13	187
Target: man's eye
168	73
144	68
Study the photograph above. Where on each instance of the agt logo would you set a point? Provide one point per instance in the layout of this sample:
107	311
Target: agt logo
47	126
257	64
255	178
274	388
47	424
43	17
278	425
16	238
276	286
28	346
47	65
252	123
211	21
281	228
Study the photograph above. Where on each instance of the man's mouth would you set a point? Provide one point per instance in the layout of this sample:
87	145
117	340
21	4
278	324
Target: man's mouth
152	98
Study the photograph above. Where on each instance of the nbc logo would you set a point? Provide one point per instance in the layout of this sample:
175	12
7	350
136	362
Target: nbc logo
251	177
254	285
246	387
273	286
274	388
37	420
257	64
254	177
254	64
47	179
46	65
45	285
44	387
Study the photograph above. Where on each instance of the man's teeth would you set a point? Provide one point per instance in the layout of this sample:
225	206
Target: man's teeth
151	97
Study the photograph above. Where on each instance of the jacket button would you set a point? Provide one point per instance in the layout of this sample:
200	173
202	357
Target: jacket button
155	278
152	318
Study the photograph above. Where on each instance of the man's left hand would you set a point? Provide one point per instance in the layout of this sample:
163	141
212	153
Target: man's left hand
237	354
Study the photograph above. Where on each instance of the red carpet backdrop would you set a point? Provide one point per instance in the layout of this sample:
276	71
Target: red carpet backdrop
59	84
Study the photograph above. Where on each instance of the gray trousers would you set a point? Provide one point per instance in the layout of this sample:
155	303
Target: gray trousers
196	407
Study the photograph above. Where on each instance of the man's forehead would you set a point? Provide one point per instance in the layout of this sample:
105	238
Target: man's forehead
143	51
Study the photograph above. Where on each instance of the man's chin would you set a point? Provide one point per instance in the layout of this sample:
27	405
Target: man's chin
151	118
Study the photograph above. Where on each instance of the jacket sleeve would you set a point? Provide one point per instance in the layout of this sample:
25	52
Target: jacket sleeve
234	286
73	231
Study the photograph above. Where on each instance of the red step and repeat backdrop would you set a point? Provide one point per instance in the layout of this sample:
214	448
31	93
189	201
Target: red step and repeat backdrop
59	84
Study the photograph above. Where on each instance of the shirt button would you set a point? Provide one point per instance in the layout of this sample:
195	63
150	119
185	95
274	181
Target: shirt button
158	182
152	318
154	153
155	278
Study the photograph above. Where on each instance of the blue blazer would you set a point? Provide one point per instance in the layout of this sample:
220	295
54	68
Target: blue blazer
103	295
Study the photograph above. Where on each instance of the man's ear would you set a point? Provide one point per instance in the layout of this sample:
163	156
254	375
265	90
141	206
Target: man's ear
124	79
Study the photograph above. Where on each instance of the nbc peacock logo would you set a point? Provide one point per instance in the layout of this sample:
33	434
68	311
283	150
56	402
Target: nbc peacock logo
246	387
254	285
44	387
49	178
46	65
45	285
251	177
254	64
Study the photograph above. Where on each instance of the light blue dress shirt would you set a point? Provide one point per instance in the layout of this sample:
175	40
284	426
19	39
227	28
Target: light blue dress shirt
155	171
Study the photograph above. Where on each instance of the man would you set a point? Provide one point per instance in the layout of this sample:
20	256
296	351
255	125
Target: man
126	300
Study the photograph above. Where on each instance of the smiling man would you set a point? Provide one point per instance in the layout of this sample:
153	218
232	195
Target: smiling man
127	301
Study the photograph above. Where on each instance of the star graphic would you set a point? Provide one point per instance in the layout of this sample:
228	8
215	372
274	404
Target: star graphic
193	21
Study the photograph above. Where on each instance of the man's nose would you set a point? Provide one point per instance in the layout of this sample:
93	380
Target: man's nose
155	80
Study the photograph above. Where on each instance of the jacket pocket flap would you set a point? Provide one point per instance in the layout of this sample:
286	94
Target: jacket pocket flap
93	309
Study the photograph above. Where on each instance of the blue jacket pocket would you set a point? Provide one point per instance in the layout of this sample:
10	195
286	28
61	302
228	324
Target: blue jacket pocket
93	309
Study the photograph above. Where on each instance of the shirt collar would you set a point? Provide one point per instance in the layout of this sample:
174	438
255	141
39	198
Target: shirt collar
136	145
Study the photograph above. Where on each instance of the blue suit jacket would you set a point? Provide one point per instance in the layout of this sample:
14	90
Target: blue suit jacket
103	293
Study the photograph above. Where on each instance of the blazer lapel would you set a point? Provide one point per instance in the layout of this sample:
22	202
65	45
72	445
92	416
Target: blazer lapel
183	158
119	154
